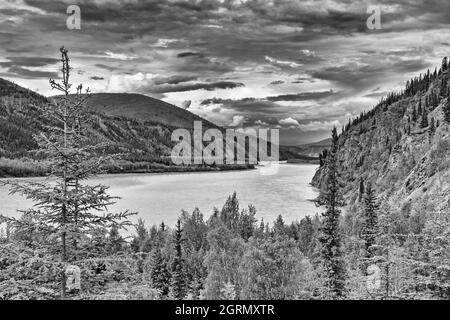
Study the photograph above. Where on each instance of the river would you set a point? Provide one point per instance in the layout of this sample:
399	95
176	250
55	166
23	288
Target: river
160	197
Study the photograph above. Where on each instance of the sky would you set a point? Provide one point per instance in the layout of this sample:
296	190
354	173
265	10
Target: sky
299	66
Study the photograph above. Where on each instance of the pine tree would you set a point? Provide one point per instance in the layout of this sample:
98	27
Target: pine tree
330	236
65	214
159	273
424	122
447	109
414	114
444	64
369	230
179	285
432	127
115	240
279	228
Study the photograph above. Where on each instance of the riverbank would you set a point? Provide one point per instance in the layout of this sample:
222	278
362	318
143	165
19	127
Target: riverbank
29	168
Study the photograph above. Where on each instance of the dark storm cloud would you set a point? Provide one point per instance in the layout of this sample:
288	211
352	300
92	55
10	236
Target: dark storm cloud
96	78
277	82
302	96
16	71
174	79
28	62
267	104
195	86
103	66
190	54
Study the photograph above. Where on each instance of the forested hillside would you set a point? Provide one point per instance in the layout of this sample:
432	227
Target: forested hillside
401	147
144	144
393	167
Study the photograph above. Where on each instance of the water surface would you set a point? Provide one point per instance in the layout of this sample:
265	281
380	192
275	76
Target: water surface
160	197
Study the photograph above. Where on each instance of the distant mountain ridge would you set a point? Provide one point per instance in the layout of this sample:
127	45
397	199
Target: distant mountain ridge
309	151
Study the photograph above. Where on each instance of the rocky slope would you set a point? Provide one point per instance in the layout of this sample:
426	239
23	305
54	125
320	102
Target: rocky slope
406	159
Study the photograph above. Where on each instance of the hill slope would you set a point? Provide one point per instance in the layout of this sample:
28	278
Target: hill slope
308	151
141	107
401	147
145	143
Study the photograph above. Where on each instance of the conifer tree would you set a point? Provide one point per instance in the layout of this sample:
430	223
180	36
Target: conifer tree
330	236
369	230
65	215
424	122
159	273
414	114
279	228
432	127
447	108
444	64
178	275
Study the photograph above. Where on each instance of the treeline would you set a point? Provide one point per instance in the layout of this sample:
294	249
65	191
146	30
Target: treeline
418	85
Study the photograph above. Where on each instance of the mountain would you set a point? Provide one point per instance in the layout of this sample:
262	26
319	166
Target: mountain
308	152
401	147
141	107
144	142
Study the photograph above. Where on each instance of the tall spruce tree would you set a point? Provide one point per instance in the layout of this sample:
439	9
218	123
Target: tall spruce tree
369	230
432	127
179	286
159	273
330	236
65	215
424	122
447	108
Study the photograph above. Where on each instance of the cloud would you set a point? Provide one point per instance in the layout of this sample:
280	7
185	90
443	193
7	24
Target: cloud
320	125
149	83
29	74
96	78
308	53
119	56
237	121
176	79
276	82
302	96
261	123
289	122
190	54
282	63
165	43
28	62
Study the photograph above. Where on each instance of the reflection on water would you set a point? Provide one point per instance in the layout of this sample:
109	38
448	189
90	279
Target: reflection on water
160	197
